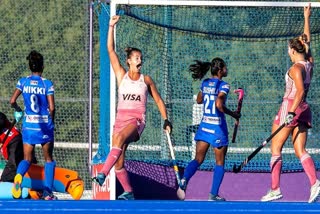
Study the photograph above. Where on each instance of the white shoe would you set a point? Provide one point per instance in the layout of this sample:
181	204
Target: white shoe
314	192
272	195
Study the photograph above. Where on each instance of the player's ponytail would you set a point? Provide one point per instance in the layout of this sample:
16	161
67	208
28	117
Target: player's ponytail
300	44
199	69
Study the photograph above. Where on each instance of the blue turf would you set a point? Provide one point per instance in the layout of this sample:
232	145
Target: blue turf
152	206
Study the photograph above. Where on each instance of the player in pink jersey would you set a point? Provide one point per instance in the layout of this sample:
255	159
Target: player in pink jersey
133	88
295	113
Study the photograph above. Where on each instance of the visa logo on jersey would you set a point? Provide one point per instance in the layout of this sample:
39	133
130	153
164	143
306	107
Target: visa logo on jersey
131	97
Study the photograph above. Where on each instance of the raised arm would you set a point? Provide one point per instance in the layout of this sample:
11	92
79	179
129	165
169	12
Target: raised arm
119	71
307	14
306	31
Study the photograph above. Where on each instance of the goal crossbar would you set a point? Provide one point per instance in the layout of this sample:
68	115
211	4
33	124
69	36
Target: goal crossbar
217	3
113	10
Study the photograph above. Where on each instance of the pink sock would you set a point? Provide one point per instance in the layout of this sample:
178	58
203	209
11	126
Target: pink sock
309	168
124	180
112	158
276	166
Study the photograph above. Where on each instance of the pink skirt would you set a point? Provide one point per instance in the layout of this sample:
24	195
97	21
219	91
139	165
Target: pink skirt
303	114
129	117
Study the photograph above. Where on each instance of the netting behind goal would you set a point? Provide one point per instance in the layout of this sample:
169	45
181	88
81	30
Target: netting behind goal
253	42
58	30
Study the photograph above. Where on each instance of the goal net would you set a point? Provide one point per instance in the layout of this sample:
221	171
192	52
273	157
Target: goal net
59	31
252	38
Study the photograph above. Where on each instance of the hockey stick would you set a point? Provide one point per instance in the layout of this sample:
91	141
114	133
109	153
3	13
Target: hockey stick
175	166
238	169
240	91
8	132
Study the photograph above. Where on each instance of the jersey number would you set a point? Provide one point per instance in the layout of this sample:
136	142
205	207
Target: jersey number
207	100
34	103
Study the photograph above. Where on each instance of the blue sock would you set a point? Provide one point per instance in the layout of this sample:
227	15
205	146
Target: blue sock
49	168
191	169
23	167
217	179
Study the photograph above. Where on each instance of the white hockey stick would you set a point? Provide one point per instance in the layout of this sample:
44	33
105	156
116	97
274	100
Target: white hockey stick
175	166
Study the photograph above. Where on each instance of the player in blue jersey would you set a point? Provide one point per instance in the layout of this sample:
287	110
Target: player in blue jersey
37	123
213	130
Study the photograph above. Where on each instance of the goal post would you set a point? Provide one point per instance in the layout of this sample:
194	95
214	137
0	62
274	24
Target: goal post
243	46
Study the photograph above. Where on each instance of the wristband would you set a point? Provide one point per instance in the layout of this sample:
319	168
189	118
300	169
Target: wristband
292	113
167	123
111	25
16	107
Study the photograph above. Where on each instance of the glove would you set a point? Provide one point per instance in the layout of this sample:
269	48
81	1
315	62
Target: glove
167	123
236	115
18	115
289	117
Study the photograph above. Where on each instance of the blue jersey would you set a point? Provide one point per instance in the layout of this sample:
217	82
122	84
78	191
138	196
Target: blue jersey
37	125
213	126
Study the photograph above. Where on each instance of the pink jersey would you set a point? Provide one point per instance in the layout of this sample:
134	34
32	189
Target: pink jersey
132	95
303	112
290	86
